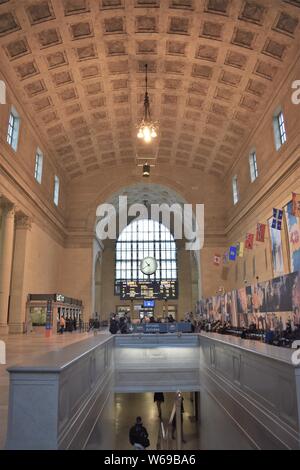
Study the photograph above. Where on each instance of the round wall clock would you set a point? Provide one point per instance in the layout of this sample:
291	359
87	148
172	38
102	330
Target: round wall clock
148	265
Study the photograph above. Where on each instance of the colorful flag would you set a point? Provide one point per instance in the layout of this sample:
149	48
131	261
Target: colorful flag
232	253
249	241
217	260
240	249
296	205
277	219
293	226
260	232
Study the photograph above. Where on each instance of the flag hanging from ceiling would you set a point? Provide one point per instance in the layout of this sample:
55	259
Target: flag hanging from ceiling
260	232
277	219
293	228
217	260
249	241
296	205
232	253
240	249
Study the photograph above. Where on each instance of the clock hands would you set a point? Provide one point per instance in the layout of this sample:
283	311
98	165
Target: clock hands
146	264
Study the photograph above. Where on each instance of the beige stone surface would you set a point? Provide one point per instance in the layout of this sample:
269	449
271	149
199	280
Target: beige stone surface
218	70
20	348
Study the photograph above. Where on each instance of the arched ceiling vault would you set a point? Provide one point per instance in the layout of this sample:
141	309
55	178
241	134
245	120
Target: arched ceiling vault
77	66
156	194
145	194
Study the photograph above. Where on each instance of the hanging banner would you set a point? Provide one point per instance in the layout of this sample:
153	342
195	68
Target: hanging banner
277	219
249	241
260	233
296	205
217	260
293	226
276	247
232	253
240	249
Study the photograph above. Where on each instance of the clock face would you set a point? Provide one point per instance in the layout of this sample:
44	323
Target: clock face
148	265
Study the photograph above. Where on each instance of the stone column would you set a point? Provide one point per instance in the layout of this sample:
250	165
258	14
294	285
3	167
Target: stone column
8	223
18	296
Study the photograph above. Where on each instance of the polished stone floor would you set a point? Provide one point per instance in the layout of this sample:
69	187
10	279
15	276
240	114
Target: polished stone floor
130	405
24	347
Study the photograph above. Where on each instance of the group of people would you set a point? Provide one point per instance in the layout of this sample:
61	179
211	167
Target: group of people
94	323
119	324
138	434
68	324
153	319
73	324
122	323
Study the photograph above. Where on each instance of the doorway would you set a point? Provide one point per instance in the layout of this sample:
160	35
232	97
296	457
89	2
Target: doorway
170	310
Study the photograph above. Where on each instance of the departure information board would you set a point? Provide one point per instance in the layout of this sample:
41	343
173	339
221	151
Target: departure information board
161	290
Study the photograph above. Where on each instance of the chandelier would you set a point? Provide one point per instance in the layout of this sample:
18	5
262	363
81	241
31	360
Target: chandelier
147	129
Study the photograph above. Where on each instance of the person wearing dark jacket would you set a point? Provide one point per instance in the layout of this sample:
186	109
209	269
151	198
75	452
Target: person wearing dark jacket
123	325
114	326
159	399
138	435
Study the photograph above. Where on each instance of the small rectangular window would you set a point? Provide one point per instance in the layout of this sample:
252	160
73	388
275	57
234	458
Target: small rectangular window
38	171
279	130
235	191
56	190
253	166
13	129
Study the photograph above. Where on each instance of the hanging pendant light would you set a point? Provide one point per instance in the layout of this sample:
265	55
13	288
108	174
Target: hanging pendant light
146	170
147	129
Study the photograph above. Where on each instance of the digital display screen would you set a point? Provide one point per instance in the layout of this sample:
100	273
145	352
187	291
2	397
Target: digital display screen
148	290
149	303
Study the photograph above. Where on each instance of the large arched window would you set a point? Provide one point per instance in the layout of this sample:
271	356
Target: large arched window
144	238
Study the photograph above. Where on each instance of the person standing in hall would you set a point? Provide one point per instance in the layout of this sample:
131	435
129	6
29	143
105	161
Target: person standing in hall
159	399
62	324
138	435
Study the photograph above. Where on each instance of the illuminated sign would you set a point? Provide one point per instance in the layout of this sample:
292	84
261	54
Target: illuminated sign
161	290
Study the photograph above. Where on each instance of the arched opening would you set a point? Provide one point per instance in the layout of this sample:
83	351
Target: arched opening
141	238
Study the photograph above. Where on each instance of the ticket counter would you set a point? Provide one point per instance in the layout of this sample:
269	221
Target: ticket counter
44	311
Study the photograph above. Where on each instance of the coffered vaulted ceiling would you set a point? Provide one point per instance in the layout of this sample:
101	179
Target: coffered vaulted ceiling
77	66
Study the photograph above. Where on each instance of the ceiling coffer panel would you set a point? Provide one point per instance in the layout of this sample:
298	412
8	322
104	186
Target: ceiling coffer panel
78	68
